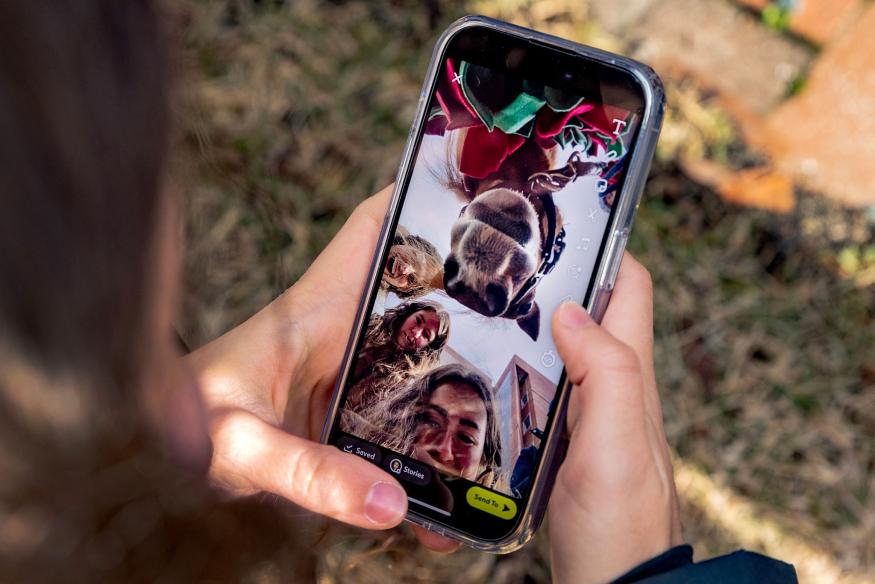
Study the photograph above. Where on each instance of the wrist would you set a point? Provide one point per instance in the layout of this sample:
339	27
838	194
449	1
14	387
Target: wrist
606	566
600	547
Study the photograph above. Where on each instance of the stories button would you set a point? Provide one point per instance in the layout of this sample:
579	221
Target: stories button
363	449
492	503
406	469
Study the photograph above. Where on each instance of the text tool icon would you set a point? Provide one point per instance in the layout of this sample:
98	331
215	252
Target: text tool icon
618	126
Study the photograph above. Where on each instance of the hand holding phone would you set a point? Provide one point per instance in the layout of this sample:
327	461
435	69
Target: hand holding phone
614	503
516	193
264	386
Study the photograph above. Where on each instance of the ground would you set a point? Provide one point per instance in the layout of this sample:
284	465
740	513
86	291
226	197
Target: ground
765	321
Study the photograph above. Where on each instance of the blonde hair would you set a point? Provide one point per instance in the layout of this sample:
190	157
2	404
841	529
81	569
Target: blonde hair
434	264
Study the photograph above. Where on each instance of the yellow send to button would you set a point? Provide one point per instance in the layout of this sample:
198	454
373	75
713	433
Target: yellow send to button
493	503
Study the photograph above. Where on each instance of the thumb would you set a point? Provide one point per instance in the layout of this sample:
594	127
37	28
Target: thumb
605	373
315	476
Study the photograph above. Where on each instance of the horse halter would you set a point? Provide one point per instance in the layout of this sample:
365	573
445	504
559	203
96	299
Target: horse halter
543	185
554	245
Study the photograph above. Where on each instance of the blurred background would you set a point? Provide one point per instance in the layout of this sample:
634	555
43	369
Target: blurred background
758	226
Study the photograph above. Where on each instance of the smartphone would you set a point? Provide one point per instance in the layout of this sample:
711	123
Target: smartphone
517	190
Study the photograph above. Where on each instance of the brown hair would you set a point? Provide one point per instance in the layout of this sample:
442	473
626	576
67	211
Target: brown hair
381	366
383	328
85	122
392	421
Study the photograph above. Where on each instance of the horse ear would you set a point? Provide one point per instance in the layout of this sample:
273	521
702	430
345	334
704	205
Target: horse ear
531	321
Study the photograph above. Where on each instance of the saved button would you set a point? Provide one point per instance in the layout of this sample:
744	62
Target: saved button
493	503
363	449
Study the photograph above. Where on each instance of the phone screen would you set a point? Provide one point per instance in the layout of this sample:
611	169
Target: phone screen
503	217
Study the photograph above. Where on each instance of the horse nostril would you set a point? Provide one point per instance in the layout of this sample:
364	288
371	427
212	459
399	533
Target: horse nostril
455	289
496	299
451	270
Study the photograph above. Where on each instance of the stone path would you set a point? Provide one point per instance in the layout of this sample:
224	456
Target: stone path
728	49
819	21
825	136
805	99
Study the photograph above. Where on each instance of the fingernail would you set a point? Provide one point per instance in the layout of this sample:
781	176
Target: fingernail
573	315
385	503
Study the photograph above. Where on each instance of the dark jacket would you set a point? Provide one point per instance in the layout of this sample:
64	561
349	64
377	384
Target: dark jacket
742	567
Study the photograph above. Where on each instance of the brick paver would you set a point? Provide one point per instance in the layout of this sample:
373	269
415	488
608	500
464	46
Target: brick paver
817	20
712	40
825	136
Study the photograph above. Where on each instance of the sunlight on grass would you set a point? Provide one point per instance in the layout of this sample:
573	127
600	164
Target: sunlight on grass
753	528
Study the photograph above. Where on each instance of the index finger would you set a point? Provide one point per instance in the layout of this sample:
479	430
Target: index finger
433	541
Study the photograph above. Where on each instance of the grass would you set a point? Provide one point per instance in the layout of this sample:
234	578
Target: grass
765	323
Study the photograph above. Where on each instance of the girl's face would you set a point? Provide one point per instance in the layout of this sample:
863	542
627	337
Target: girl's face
406	268
451	430
418	330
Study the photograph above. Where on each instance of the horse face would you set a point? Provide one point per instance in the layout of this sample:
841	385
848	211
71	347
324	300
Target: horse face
494	250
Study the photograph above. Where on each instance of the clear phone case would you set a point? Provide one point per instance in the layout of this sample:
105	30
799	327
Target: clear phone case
605	273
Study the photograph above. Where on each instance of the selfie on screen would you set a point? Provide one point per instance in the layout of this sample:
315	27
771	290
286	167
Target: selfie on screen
513	184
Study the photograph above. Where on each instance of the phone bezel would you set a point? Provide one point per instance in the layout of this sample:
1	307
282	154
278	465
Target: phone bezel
600	285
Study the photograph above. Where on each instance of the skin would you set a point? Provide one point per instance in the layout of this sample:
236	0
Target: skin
262	390
418	330
452	431
265	387
614	502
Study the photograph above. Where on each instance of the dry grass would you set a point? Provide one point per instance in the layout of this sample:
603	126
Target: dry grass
765	323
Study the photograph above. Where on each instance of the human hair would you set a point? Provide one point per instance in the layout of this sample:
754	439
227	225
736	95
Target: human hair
434	264
85	121
383	328
392	421
86	126
381	365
